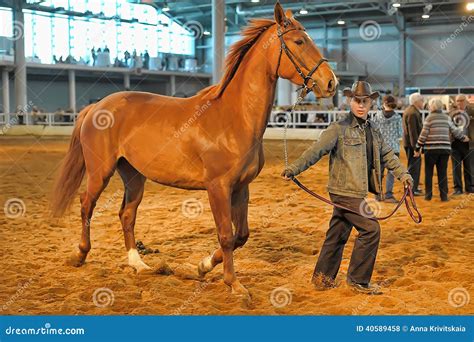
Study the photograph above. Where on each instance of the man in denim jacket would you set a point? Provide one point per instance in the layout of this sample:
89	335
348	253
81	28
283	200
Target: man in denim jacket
356	151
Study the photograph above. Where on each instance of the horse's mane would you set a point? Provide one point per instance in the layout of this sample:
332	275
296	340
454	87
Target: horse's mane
236	53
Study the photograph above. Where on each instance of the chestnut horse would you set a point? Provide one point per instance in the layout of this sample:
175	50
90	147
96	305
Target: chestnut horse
211	141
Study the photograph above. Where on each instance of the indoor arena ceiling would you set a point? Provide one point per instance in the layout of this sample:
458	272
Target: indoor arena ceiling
311	13
319	13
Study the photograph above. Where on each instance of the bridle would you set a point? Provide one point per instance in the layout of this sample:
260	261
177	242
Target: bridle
305	89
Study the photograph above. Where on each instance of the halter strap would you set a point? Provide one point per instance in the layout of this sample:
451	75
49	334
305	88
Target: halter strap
291	56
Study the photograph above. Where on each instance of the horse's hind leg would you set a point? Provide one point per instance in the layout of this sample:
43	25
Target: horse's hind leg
96	183
239	213
134	183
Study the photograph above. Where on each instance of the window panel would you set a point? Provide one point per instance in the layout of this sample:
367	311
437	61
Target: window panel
6	20
60	36
80	41
77	36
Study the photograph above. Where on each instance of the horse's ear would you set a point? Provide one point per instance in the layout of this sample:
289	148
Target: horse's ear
289	13
280	17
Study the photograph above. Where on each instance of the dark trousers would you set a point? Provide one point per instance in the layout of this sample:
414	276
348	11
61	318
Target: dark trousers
440	160
414	166
366	245
460	157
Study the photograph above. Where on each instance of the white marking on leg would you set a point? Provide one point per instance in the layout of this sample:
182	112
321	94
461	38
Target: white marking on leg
206	264
135	260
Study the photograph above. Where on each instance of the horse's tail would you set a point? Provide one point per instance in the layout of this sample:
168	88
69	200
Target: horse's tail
71	171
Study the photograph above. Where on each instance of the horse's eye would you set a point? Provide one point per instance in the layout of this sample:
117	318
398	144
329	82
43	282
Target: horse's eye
299	42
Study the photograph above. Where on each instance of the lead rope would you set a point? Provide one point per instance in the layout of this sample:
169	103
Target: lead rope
408	194
300	98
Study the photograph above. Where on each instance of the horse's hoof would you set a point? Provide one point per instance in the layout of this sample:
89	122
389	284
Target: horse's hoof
76	260
243	294
205	266
239	290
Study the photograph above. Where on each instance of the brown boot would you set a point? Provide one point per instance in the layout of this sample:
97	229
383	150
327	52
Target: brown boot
322	282
370	289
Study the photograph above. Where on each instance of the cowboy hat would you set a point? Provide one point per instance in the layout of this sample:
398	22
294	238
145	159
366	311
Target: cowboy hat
361	89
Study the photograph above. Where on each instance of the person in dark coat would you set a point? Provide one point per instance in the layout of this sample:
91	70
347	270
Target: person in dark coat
412	125
462	155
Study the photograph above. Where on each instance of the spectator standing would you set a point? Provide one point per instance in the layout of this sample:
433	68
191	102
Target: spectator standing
412	125
461	156
435	141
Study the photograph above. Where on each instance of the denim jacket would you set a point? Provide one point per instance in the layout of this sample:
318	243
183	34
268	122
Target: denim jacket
345	142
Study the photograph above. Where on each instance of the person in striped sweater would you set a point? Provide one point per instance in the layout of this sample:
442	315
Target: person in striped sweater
434	139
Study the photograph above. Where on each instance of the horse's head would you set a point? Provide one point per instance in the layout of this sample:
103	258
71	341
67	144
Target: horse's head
300	60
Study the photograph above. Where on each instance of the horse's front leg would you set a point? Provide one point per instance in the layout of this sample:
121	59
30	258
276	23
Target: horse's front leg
220	201
239	210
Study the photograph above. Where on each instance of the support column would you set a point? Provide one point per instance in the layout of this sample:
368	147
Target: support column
126	81
20	60
6	91
72	90
403	57
218	35
344	48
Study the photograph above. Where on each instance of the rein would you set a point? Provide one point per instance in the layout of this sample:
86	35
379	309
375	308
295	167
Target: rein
407	197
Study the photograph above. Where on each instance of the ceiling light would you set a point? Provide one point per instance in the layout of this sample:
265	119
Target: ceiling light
396	4
255	1
206	33
165	8
425	16
303	11
341	22
470	6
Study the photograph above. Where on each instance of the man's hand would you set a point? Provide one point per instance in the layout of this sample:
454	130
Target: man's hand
407	180
416	154
465	139
287	174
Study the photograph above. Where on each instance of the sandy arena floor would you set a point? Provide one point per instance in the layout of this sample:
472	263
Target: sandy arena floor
425	269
